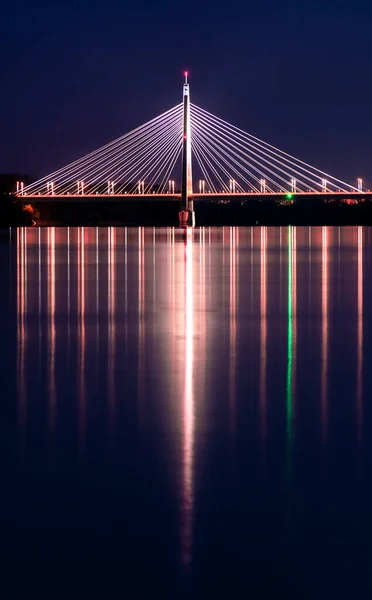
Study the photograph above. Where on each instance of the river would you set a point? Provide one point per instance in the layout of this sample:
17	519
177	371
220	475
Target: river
185	413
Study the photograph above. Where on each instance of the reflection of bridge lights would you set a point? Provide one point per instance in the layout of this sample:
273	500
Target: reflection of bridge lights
324	399
188	399
360	336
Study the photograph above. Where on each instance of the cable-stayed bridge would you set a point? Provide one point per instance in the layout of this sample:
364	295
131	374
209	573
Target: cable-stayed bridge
159	159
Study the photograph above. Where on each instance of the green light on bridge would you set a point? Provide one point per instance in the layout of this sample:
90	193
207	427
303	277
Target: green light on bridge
289	196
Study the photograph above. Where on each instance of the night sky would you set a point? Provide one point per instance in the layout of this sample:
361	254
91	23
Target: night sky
77	73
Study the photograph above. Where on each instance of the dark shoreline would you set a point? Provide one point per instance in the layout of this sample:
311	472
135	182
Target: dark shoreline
165	213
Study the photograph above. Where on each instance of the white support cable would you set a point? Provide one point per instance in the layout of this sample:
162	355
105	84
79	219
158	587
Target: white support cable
202	151
96	177
262	173
149	163
88	172
124	166
231	129
159	177
167	173
201	165
52	176
286	180
81	175
212	144
242	156
270	148
212	140
135	170
227	173
163	159
234	169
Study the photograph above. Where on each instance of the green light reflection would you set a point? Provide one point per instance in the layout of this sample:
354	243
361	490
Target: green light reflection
289	396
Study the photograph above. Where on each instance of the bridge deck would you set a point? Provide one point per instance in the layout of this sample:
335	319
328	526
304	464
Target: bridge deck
227	197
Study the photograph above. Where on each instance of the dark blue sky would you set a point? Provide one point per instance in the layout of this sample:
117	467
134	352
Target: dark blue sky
77	73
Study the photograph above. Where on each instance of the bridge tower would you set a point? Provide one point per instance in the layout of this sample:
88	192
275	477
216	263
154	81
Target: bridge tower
186	214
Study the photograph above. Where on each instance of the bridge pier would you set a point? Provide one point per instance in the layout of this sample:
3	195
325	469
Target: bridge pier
186	215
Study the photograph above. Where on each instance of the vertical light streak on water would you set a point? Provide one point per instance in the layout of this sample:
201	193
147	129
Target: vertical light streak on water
141	319
324	351
188	401
232	373
309	277
39	296
126	286
252	266
360	339
97	307
202	300
280	268
68	298
289	394
172	301
111	238
51	329
81	337
153	273
263	337
21	329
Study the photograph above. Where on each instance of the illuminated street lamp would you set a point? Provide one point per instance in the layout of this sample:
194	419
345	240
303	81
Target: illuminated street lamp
20	188
80	187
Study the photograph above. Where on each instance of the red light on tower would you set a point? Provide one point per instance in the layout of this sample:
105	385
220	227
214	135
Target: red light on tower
186	75
184	136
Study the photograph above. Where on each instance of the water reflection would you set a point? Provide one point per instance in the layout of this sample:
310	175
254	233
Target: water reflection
324	353
360	338
188	399
169	333
291	341
263	333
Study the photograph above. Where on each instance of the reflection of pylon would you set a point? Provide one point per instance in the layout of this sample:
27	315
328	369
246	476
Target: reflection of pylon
186	215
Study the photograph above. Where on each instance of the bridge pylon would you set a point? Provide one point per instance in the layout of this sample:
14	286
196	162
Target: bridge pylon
186	214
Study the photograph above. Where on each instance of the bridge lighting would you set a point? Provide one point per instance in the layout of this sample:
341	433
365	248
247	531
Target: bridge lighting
360	184
171	186
110	187
324	186
50	188
293	185
289	196
20	188
80	187
186	75
263	186
201	186
232	183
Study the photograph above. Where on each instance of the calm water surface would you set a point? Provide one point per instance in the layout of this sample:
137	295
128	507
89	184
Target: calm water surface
186	414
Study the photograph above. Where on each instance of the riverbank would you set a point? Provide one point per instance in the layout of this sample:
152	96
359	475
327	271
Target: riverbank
15	214
165	213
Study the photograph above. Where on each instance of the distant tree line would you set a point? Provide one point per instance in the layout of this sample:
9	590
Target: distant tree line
12	212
